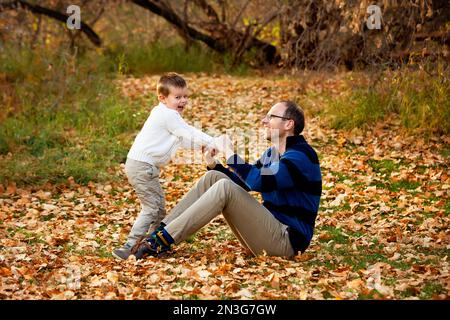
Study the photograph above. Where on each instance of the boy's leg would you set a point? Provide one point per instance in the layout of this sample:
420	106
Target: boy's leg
144	178
252	223
202	185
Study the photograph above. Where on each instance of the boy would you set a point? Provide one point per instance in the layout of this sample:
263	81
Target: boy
162	134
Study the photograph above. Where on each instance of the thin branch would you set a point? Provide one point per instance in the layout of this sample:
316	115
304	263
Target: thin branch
268	20
36	9
209	10
238	17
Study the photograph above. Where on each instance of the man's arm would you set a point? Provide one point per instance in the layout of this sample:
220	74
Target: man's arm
213	164
234	177
294	170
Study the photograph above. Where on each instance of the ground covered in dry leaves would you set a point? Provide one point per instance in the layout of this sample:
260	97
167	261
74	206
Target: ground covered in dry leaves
382	231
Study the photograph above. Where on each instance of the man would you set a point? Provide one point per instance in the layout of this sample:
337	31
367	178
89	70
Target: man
288	177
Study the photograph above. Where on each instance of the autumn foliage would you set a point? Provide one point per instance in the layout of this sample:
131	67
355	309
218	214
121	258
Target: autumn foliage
381	232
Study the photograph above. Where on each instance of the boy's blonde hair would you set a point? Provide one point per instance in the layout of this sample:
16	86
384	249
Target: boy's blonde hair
169	79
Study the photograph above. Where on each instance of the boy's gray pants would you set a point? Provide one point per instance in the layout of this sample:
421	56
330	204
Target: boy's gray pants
144	178
255	227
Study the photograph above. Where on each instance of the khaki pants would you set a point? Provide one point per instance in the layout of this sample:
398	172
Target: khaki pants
144	178
255	227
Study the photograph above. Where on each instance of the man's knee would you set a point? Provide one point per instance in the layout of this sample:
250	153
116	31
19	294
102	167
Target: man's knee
225	184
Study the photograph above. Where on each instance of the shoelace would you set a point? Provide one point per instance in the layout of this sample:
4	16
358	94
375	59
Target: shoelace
138	243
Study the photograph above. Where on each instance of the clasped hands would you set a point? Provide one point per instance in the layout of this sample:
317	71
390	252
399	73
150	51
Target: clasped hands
222	144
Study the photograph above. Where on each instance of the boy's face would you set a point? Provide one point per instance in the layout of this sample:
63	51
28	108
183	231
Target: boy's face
177	98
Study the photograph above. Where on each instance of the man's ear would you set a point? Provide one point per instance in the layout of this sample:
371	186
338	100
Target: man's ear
289	125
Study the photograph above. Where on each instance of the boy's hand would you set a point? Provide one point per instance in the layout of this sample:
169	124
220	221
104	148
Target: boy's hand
225	145
209	158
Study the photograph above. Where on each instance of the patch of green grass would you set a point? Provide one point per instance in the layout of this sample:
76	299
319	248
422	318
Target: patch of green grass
445	152
371	295
403	184
384	166
329	264
390	281
224	235
47	217
379	185
430	289
30	237
421	169
191	238
438	252
19	214
357	260
103	252
359	108
343	207
327	295
409	292
156	58
420	99
71	123
340	176
335	234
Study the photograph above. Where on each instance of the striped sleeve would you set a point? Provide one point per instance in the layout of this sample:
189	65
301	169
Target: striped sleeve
294	170
235	178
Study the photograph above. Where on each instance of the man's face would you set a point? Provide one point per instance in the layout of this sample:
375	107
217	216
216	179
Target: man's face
177	98
274	126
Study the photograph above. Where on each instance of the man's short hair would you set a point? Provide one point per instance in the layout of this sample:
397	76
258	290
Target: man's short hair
294	112
169	79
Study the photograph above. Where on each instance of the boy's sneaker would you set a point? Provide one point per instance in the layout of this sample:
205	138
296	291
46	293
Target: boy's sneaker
156	244
145	248
121	253
124	252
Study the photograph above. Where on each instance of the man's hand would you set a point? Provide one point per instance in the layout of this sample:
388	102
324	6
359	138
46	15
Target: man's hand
224	145
209	157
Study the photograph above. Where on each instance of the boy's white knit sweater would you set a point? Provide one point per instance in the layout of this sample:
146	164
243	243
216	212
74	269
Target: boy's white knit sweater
162	134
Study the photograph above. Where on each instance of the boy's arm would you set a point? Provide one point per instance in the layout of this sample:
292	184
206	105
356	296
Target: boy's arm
190	135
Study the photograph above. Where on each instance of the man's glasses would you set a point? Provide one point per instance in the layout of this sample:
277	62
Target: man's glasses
270	116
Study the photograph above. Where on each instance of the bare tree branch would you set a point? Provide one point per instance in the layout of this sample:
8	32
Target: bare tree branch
159	8
36	9
215	34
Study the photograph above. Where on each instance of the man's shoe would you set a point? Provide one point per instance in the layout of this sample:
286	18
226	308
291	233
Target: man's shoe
121	253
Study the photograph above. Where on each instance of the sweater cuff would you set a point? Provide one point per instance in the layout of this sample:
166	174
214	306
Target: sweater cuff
212	168
235	160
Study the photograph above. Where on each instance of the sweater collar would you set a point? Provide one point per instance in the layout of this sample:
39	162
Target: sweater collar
163	105
294	140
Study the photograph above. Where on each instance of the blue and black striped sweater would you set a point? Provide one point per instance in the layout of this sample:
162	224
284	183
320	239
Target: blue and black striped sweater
290	185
